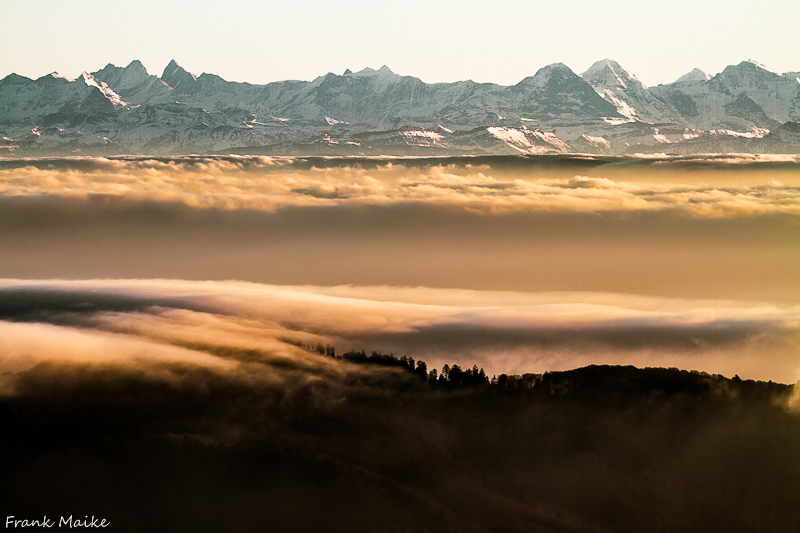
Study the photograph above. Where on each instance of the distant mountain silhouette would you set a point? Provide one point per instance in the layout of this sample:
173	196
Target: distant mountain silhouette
126	110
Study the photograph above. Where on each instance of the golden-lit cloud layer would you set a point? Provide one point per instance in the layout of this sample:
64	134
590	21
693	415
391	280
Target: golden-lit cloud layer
554	250
122	377
199	323
483	185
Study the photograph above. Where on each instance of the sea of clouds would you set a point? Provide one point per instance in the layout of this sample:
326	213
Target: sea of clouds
478	184
131	322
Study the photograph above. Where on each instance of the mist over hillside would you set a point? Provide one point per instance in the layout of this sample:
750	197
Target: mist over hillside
583	343
167	404
252	440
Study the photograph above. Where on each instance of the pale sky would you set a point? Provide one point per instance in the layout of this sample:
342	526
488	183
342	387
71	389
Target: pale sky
436	40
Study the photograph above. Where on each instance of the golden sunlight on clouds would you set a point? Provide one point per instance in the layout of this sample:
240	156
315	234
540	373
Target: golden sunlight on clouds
127	321
268	184
541	264
25	344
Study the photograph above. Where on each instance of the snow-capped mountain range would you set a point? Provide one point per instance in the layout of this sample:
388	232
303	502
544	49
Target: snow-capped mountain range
116	110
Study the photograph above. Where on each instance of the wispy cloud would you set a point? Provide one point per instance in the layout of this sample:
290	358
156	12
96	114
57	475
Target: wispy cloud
509	332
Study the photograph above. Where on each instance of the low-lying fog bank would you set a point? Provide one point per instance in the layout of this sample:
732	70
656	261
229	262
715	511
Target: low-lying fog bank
244	435
123	321
135	389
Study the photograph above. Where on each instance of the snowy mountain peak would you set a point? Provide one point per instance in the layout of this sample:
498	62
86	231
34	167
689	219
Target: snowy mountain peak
15	79
383	73
173	68
132	83
543	76
90	80
746	74
368	71
757	64
57	76
177	77
113	75
750	66
695	75
136	66
608	74
556	67
211	79
603	64
376	111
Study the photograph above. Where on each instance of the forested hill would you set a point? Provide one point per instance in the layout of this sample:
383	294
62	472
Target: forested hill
375	444
591	382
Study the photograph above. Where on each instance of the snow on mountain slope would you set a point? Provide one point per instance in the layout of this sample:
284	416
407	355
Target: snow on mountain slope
772	92
557	93
529	141
176	77
593	145
792	76
134	83
695	75
422	137
25	100
629	95
113	97
607	109
738	98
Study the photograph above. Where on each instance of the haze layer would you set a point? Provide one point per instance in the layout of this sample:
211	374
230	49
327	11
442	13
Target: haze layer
516	264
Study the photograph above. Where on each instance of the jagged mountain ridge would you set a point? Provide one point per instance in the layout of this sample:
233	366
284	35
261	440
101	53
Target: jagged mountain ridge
630	96
604	110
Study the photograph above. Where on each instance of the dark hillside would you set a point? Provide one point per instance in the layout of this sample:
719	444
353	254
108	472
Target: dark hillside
384	448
